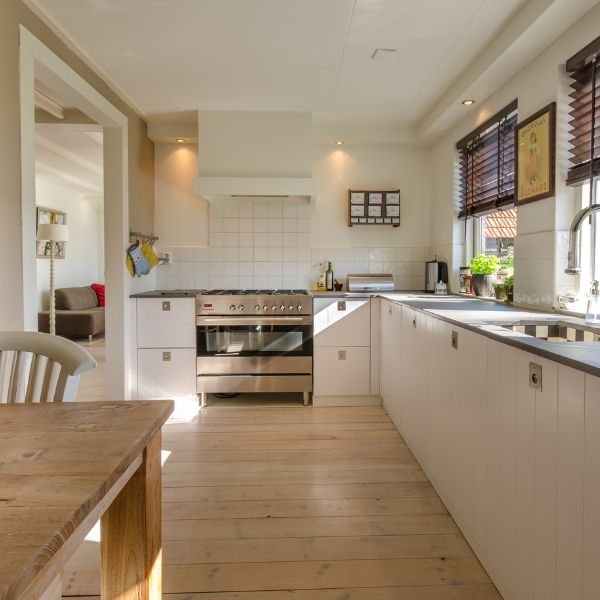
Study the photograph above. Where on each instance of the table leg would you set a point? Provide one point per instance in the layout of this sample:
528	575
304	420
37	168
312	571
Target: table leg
131	546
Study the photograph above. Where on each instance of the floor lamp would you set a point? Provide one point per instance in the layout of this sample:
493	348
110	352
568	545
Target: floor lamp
52	232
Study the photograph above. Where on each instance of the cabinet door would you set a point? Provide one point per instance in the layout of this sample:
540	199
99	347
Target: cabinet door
166	373
342	322
342	371
166	323
386	340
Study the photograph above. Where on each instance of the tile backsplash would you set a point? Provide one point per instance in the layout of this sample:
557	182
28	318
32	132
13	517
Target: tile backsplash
268	245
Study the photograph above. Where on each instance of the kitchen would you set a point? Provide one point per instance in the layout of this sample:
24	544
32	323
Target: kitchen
400	433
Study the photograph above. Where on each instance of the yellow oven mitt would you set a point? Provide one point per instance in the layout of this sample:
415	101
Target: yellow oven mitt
149	254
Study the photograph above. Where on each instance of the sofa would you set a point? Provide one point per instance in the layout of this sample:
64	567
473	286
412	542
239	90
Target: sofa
77	313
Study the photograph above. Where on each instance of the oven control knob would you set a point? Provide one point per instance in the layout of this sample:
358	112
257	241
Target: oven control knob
291	307
265	308
274	308
232	307
300	307
282	308
241	307
257	307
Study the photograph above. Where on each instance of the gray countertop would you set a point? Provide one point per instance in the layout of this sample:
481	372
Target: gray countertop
167	294
486	318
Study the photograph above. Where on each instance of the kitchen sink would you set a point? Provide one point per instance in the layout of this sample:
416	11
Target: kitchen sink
555	331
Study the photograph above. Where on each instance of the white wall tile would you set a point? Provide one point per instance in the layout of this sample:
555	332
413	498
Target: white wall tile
376	267
230	225
231	268
376	254
290	239
230	253
389	254
361	254
216	209
303	240
260	239
246	224
216	239
290	211
261	211
216	254
230	240
245	283
261	253
215	225
261	269
275	240
261	225
245	211
290	225
304	211
246	269
261	282
289	269
275	282
246	239
275	253
275	211
275	225
303	254
246	253
361	267
288	254
304	225
203	254
274	268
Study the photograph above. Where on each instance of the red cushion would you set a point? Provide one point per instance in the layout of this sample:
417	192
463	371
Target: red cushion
99	289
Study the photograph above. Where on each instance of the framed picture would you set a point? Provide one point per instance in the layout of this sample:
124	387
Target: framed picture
374	211
392	210
375	197
357	198
392	198
49	215
357	210
535	159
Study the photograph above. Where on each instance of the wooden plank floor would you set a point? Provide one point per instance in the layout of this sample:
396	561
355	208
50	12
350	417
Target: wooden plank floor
271	503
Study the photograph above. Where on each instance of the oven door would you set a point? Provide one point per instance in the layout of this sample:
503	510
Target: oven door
254	344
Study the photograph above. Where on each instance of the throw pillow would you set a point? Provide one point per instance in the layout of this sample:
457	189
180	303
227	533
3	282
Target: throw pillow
99	289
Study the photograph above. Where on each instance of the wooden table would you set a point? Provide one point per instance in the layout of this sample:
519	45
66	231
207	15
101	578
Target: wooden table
62	467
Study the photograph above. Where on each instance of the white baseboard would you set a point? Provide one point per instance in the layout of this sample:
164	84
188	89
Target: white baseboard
346	400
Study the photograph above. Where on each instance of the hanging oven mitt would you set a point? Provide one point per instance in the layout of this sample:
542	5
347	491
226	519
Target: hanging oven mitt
139	261
129	261
149	254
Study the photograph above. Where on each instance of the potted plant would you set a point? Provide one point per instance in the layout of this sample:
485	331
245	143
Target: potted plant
499	290
509	284
483	268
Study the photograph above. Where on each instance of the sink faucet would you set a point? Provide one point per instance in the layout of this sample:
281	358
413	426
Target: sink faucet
574	264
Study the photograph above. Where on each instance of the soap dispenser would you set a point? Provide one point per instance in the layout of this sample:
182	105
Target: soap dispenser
593	308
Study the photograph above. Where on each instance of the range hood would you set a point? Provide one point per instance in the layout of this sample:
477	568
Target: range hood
254	155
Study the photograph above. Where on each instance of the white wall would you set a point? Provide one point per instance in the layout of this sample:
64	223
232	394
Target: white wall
245	243
541	235
82	265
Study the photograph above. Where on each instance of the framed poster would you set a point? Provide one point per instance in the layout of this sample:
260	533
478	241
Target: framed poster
392	198
375	197
49	215
357	198
535	159
374	211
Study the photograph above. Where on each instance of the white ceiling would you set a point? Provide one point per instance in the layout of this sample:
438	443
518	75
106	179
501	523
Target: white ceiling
70	157
315	55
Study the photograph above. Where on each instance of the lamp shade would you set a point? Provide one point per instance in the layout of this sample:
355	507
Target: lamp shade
52	231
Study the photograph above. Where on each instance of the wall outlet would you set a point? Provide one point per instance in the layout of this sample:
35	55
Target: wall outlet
341	355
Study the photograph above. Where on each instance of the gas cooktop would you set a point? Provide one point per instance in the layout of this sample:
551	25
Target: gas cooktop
254	293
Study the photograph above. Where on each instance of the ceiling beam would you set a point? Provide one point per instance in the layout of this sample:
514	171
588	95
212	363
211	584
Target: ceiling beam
50	106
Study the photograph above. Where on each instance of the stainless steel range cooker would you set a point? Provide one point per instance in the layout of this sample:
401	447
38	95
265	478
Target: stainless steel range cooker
254	341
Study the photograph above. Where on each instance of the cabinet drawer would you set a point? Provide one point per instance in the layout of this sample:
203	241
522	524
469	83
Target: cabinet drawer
166	373
342	322
166	323
335	375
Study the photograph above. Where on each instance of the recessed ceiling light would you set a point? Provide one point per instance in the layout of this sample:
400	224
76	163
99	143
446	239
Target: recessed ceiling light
180	140
468	102
384	54
339	142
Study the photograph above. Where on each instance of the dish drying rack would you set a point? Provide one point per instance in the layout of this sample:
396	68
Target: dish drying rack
151	239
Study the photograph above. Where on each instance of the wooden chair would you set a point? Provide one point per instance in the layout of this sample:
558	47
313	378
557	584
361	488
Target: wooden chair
39	367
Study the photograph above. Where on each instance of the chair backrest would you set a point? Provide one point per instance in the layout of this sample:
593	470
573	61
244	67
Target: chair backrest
39	367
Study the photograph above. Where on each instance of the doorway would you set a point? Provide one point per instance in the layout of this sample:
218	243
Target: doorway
40	66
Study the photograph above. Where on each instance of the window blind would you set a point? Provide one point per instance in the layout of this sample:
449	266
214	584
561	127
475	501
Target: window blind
584	116
487	165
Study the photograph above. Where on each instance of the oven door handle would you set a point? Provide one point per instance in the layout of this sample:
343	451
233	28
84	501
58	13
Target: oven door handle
306	320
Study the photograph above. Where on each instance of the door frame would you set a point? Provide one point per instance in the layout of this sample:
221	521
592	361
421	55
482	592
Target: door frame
37	61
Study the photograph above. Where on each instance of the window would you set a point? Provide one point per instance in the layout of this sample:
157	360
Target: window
495	233
584	123
487	165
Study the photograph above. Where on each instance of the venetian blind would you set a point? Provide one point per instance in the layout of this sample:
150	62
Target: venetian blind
584	123
487	165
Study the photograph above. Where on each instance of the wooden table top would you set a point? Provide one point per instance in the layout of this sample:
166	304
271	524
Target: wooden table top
57	463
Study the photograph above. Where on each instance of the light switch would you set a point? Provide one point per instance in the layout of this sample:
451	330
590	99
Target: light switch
166	305
341	355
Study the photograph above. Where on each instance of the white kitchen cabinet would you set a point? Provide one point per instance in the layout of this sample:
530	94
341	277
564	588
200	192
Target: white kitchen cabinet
342	322
166	323
166	347
166	373
515	464
344	372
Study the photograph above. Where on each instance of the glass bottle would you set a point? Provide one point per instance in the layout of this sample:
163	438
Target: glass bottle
593	307
329	278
